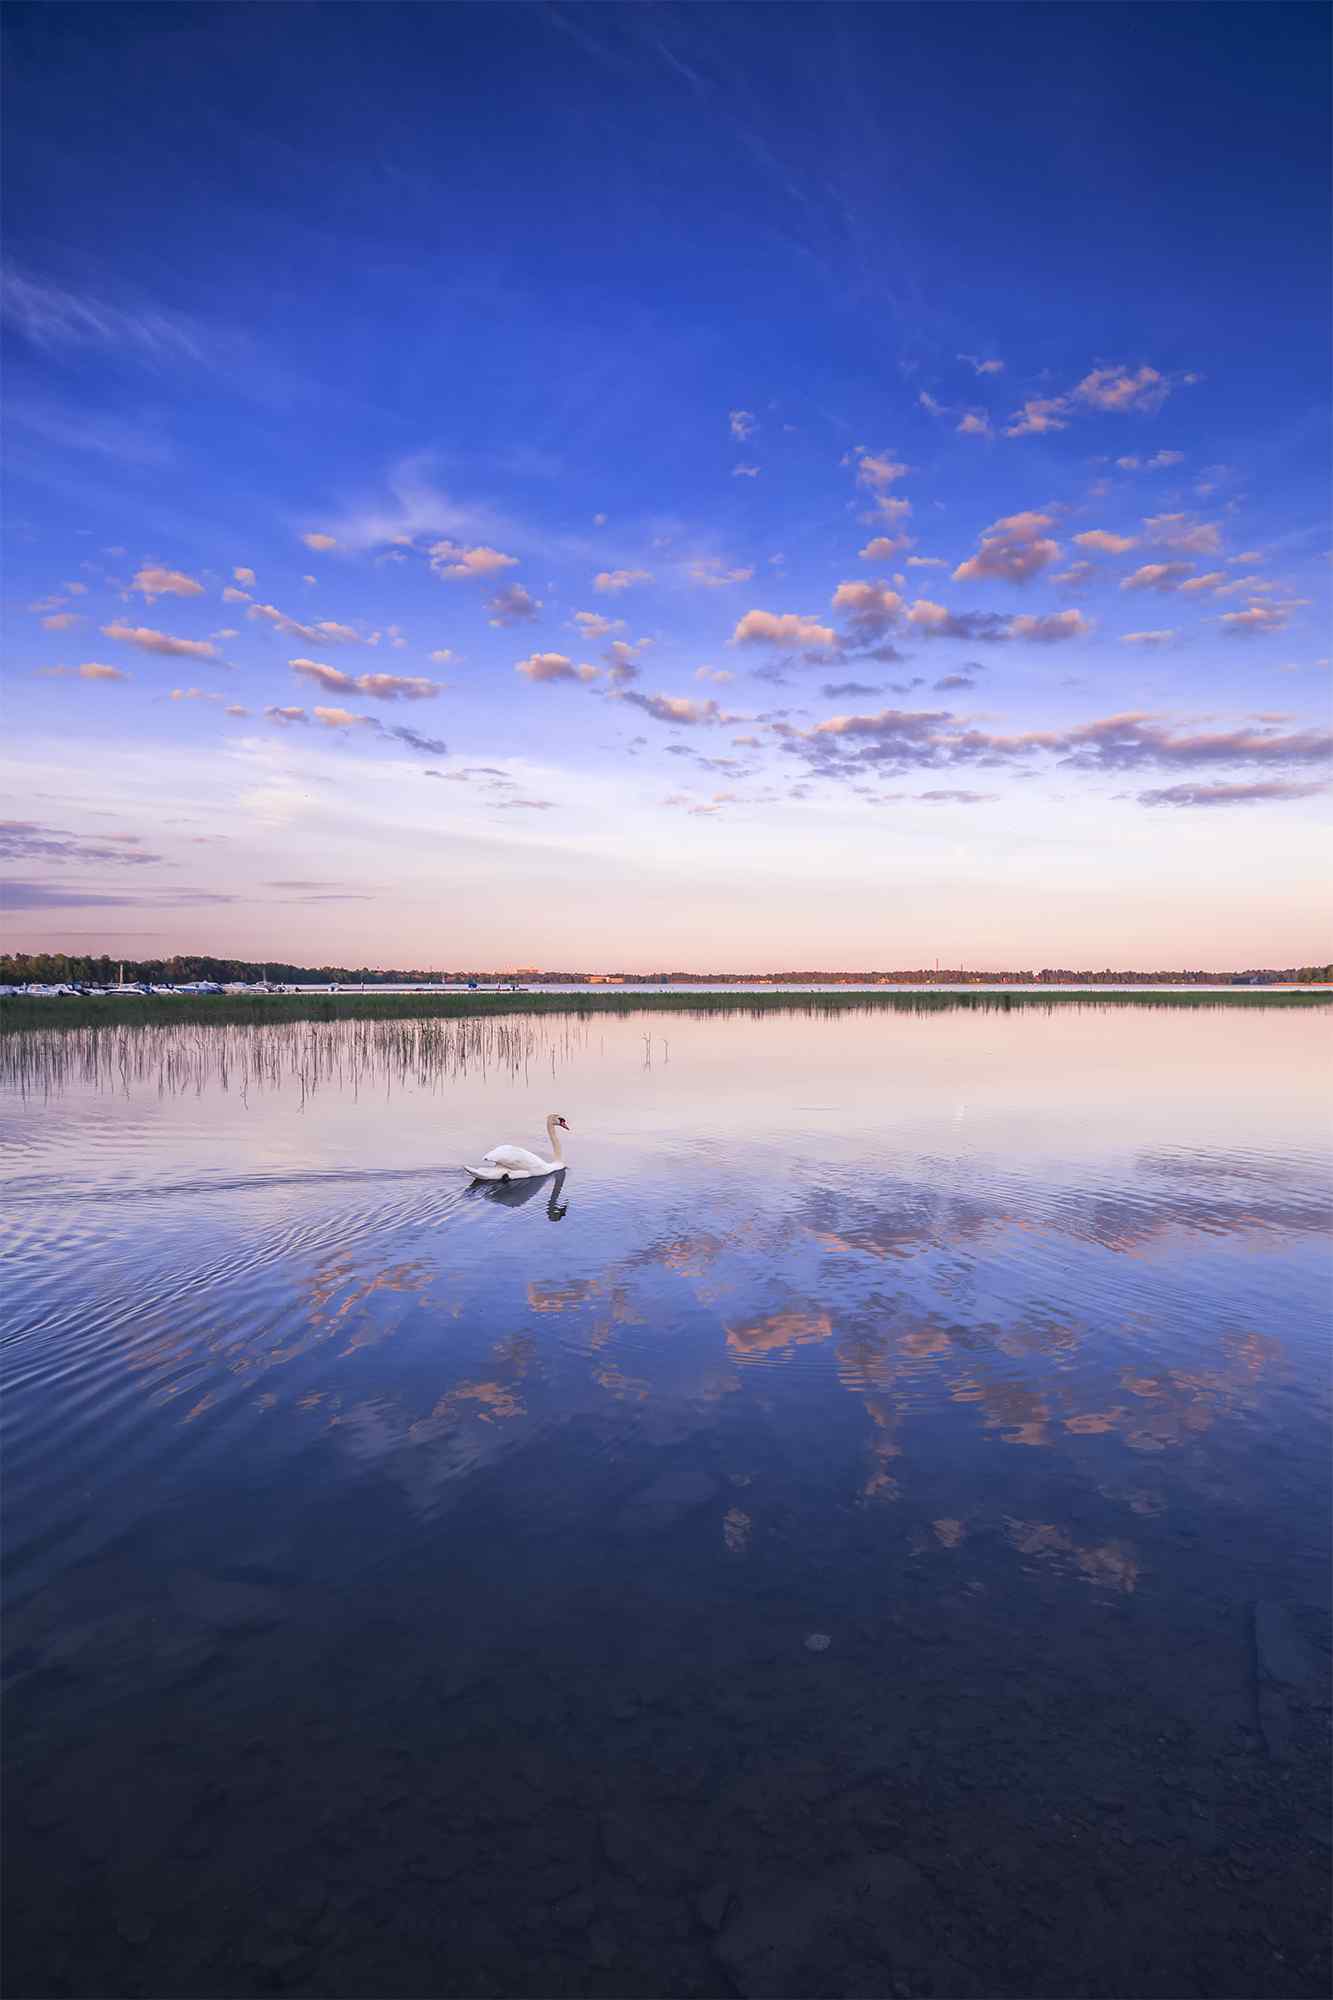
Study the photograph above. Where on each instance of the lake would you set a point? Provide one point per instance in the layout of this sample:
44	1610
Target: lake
864	1530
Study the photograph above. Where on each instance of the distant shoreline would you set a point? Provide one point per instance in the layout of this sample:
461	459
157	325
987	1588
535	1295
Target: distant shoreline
226	1010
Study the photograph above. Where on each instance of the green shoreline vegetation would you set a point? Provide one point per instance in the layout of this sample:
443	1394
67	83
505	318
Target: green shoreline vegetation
243	1010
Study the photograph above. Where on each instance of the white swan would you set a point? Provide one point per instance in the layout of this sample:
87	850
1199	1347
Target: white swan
516	1163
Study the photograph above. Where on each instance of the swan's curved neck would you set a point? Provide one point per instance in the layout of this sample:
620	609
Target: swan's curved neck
553	1138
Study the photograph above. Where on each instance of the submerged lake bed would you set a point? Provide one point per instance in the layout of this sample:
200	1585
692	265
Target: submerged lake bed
862	1530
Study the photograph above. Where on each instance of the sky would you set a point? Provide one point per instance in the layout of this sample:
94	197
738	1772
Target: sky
648	486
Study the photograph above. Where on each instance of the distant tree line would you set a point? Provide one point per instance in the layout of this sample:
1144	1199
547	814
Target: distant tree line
58	967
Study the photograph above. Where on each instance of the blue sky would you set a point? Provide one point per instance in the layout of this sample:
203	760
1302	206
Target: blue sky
639	485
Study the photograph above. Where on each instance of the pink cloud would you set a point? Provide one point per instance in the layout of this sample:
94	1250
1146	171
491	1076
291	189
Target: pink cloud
1013	550
449	559
1118	389
149	641
153	582
1049	630
553	667
1104	543
784	628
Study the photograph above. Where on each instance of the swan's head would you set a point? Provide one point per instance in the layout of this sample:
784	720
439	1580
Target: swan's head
556	1119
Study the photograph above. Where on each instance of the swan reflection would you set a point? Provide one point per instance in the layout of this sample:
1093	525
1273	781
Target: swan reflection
513	1194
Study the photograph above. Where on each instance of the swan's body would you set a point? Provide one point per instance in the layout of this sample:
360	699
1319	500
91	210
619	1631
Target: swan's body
516	1163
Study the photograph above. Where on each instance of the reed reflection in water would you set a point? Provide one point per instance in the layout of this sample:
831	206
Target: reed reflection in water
435	1587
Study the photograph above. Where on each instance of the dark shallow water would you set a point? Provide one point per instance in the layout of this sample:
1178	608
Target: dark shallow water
864	1532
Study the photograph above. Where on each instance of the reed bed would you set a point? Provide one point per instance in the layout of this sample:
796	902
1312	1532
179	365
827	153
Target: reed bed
346	1055
240	1010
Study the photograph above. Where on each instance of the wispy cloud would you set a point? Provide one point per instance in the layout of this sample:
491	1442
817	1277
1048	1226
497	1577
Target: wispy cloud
51	317
29	840
379	687
1263	792
149	641
91	670
676	708
611	581
709	572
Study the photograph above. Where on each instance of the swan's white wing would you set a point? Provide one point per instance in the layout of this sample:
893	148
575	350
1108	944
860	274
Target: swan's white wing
514	1160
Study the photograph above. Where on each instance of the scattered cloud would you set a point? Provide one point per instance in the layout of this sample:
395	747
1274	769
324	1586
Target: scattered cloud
879	470
974	423
609	581
720	675
1158	576
320	543
286	716
1259	618
921	562
1038	415
743	424
1208	582
1185	532
513	606
1162	638
840	691
621	665
1119	389
1263	791
880	549
676	708
1013	549
902	739
149	641
153	582
1104	543
709	571
981	367
450	559
869	608
957	798
1105	389
91	670
243	575
444	656
592	625
324	631
784	628
380	687
231	595
745	472
553	667
61	621
1049	630
935	622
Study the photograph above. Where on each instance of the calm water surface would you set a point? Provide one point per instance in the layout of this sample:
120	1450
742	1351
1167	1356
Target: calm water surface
862	1531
